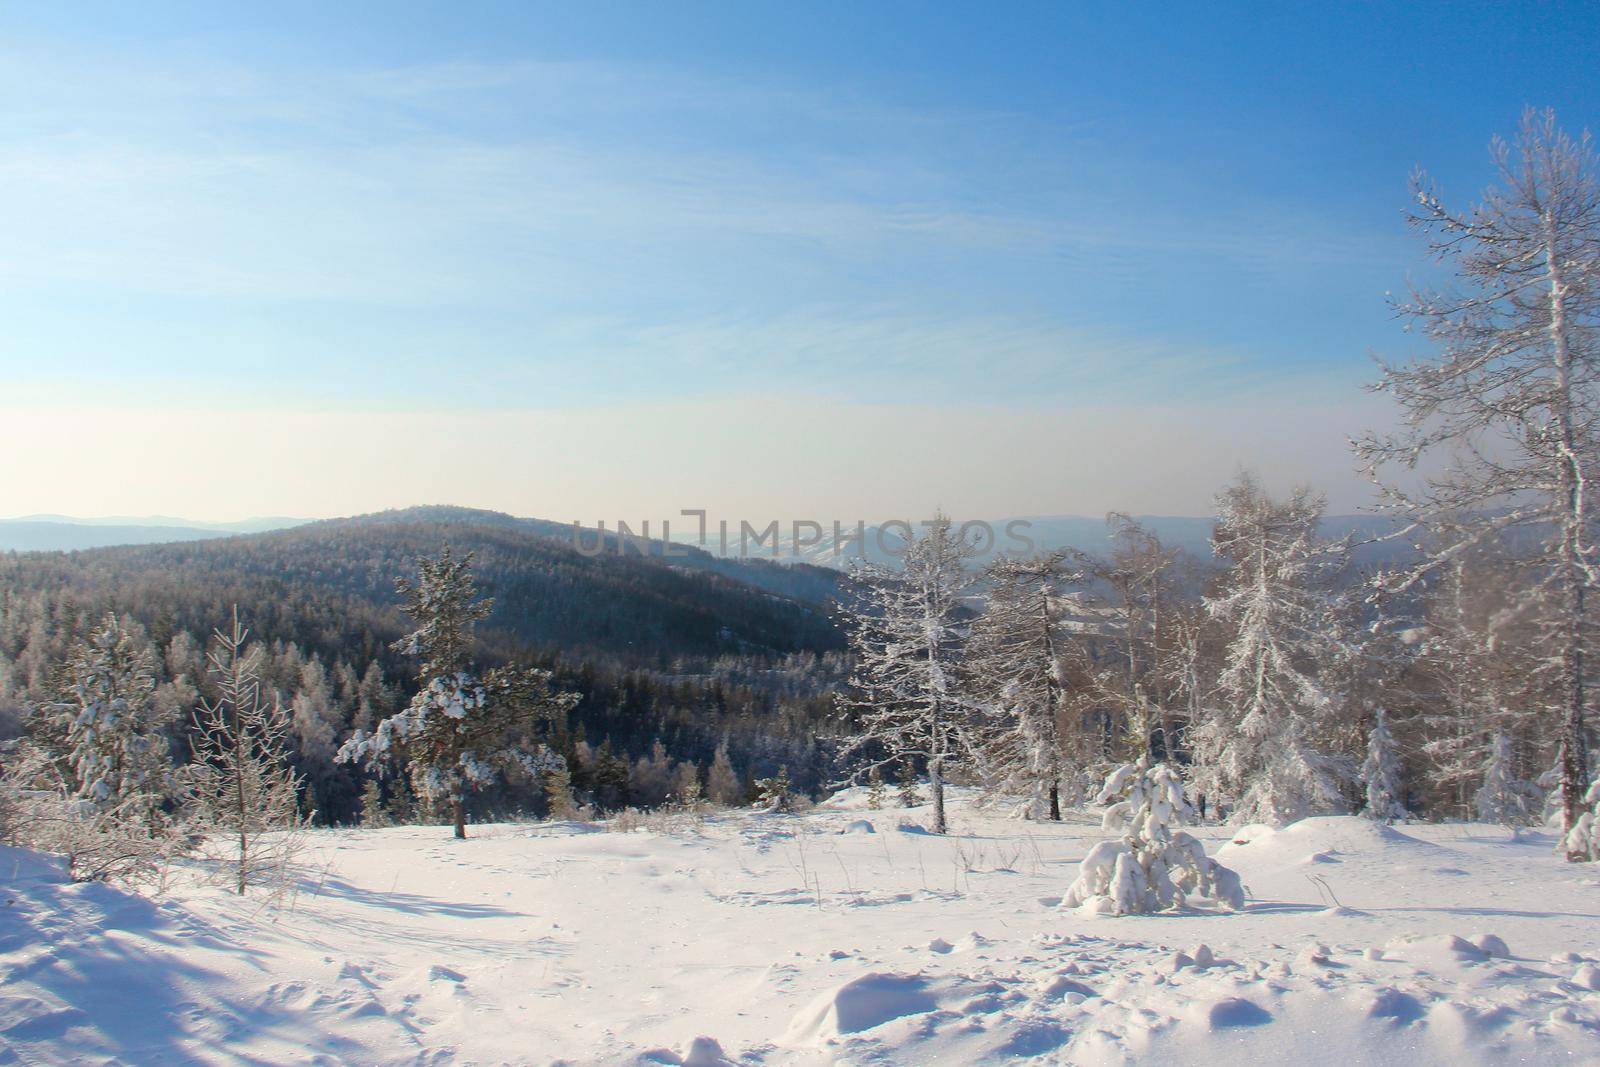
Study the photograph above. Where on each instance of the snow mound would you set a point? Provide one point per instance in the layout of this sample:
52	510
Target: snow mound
1436	949
1492	945
1230	1012
859	826
875	999
1321	839
702	1052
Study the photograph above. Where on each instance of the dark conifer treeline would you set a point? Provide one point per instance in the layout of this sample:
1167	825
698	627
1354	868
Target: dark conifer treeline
681	651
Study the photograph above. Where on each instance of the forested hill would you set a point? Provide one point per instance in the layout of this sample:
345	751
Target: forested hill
330	586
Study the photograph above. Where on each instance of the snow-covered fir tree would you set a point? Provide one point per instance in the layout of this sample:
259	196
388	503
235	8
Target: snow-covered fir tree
116	738
1512	400
443	603
1256	743
1013	674
461	729
904	699
1582	840
245	793
1554	814
314	723
93	779
1150	865
1380	773
1504	798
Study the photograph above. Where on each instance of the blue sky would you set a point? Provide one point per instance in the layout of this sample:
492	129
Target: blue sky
647	213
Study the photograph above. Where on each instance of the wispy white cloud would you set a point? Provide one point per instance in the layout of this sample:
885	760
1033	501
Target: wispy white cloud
581	232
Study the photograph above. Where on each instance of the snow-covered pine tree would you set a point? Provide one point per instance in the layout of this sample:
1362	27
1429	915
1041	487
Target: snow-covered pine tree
1513	397
1380	773
687	796
1583	839
314	723
245	793
1014	676
1149	866
117	745
904	699
775	793
461	729
444	604
1504	798
93	778
1256	744
1554	814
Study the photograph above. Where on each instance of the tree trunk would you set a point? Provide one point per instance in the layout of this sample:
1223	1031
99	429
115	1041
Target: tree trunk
458	808
1055	801
1575	766
936	777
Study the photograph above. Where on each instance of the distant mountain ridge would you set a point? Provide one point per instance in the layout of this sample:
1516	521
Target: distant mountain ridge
64	533
1089	534
335	579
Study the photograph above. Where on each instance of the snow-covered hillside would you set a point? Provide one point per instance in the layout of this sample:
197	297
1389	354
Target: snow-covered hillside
837	936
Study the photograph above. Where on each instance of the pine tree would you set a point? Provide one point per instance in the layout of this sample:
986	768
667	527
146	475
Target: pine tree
373	812
875	788
687	795
116	742
314	721
1503	797
1381	773
93	778
1014	675
244	788
443	602
1149	866
1554	813
722	784
460	730
1258	745
1583	839
1512	399
906	791
558	794
775	793
905	699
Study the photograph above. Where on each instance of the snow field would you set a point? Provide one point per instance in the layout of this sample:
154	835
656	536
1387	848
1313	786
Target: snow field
838	936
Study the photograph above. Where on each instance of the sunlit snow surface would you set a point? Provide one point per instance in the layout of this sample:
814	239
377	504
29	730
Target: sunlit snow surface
808	939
